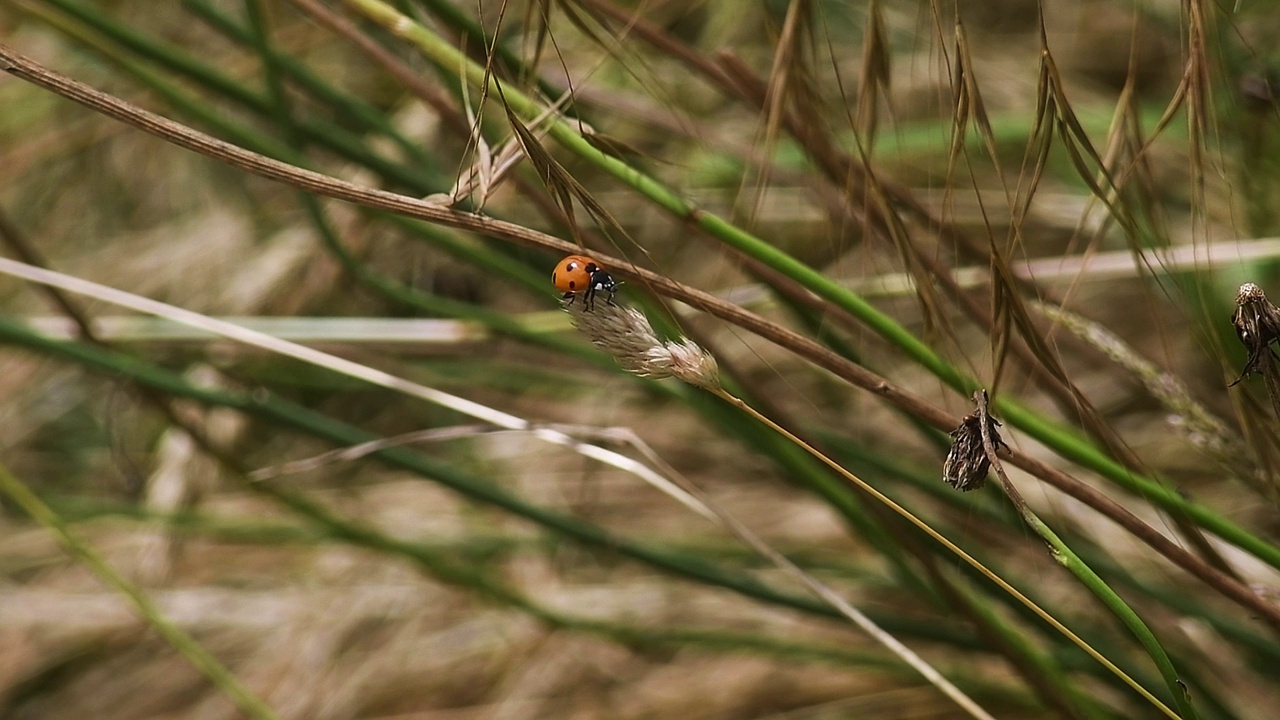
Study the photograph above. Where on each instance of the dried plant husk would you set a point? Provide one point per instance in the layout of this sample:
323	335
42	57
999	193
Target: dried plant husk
967	464
1257	324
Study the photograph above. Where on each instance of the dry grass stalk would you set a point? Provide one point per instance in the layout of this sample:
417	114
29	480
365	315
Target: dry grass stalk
1193	419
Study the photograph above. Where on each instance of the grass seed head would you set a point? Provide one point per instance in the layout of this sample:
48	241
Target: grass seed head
625	333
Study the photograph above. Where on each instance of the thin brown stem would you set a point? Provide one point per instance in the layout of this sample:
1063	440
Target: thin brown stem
331	187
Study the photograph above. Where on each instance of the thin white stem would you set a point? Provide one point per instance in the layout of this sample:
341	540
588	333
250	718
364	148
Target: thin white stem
347	330
334	363
817	587
1093	267
684	491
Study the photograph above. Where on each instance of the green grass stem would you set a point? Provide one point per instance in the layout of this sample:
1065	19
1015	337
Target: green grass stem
195	653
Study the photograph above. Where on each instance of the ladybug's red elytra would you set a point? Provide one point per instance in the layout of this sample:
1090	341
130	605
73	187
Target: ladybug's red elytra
580	275
573	274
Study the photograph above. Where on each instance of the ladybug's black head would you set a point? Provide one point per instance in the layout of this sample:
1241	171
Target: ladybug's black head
601	280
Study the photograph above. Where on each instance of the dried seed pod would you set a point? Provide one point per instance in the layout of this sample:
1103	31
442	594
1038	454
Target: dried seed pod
1257	324
967	464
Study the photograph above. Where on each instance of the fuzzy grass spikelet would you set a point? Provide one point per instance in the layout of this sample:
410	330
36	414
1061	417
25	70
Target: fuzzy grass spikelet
625	333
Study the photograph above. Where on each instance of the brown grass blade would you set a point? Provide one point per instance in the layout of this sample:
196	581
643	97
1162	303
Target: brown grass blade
876	74
1081	152
560	183
537	17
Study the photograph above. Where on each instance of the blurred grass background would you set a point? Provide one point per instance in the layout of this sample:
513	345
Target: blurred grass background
492	575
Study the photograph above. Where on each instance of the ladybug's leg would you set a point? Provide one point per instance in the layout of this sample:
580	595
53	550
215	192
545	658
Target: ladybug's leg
570	296
589	298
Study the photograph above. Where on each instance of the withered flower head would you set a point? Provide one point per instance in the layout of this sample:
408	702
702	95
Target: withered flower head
967	464
625	333
1257	324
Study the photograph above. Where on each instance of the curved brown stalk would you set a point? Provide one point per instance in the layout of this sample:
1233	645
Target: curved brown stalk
853	181
320	184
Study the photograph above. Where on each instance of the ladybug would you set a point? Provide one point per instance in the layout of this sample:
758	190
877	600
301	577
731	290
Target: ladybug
579	274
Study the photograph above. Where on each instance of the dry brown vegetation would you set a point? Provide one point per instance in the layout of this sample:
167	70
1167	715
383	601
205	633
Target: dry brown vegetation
1056	201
